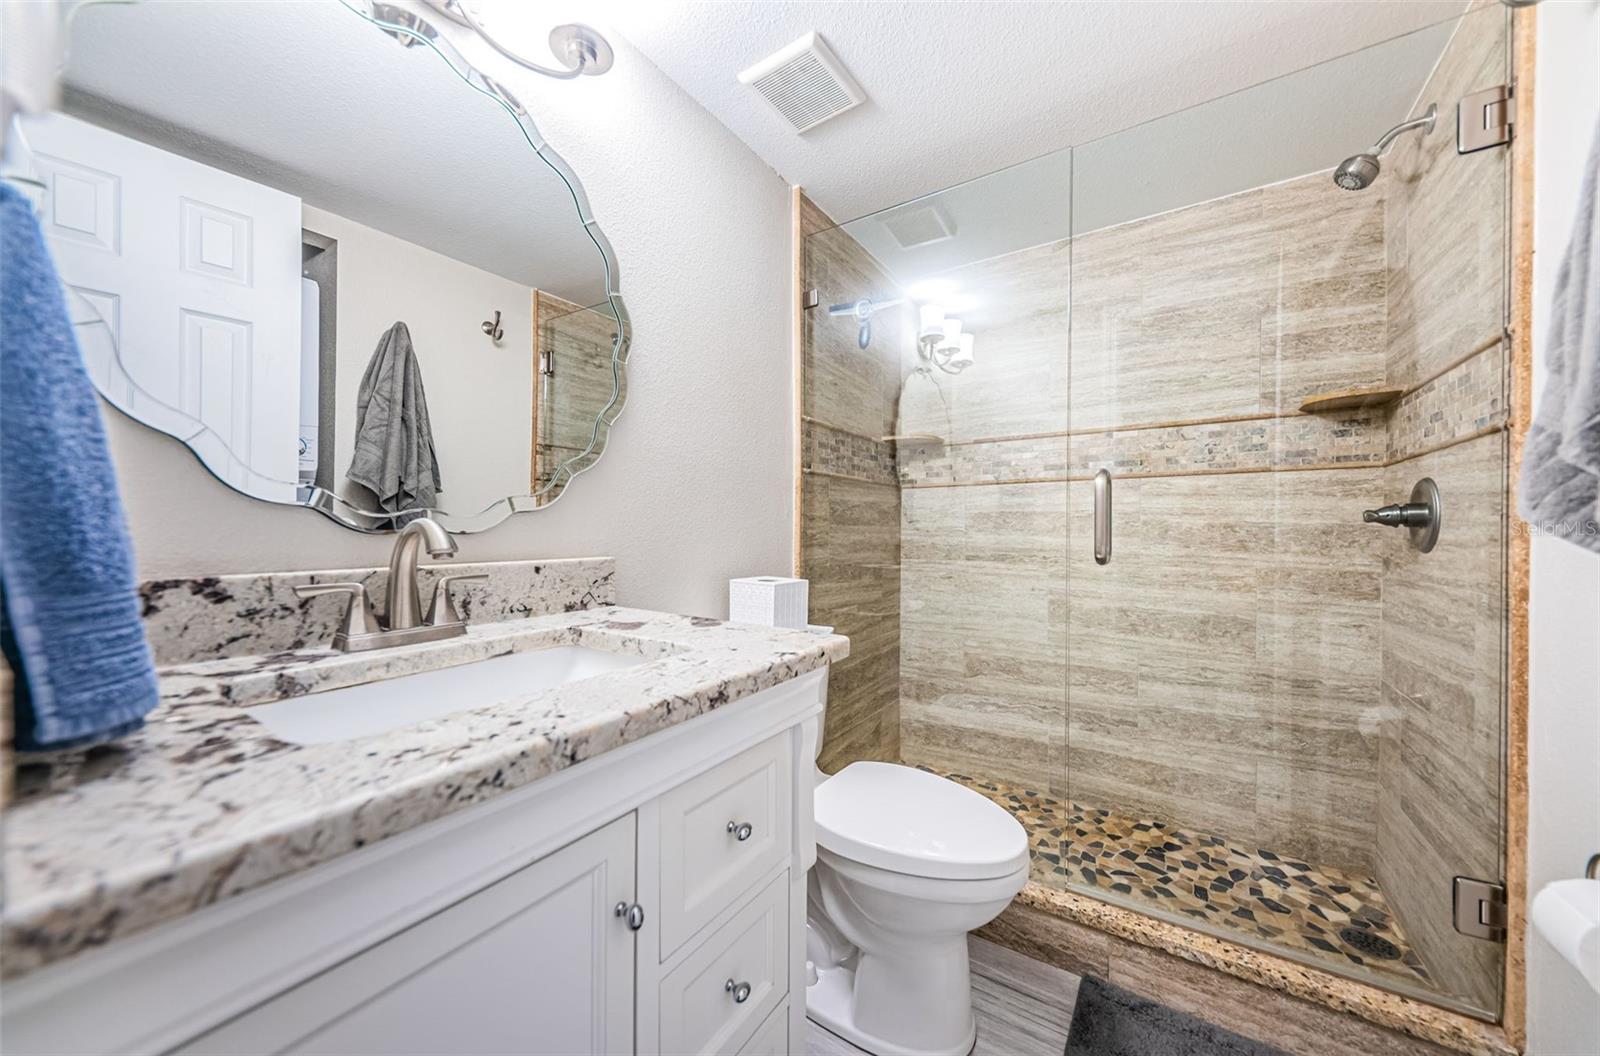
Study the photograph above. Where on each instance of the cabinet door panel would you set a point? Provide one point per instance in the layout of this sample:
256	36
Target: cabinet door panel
535	963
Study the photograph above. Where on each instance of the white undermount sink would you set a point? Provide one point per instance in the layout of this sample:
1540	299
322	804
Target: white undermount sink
378	707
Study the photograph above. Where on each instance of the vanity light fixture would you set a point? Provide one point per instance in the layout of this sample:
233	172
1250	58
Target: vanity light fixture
940	341
580	49
962	358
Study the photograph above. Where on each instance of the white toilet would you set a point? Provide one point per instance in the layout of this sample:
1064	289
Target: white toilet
907	864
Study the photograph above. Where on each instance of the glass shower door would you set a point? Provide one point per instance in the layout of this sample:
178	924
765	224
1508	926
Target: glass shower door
968	411
1284	723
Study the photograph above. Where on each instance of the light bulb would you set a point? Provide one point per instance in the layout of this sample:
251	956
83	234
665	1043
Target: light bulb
963	356
931	289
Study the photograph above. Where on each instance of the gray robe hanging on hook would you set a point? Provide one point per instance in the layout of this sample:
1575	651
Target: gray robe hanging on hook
394	456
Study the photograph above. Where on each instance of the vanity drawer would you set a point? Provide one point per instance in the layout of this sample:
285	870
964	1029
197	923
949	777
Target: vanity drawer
705	865
701	1010
772	1037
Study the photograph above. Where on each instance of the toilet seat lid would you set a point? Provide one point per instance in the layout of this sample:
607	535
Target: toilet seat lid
910	821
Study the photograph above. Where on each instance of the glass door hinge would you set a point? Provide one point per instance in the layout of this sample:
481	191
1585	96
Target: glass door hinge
1483	119
810	298
1480	909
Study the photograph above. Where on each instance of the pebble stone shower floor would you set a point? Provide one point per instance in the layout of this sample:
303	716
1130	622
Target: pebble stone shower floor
1317	910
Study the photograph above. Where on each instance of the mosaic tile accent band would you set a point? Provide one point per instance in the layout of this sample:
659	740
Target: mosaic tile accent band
1459	404
1291	442
827	449
1463	401
1327	913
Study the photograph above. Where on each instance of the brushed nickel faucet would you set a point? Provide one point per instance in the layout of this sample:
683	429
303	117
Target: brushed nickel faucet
405	606
361	629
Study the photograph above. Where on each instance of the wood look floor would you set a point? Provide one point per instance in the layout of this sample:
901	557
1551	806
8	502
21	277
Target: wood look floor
1023	1007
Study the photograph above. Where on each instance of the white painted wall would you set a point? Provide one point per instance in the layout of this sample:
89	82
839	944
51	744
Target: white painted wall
696	485
1564	606
480	394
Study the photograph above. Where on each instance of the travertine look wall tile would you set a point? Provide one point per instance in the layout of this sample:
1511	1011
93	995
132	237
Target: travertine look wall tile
983	662
845	386
1020	322
1447	229
851	547
1443	629
850	528
1443	646
1242	305
1210	680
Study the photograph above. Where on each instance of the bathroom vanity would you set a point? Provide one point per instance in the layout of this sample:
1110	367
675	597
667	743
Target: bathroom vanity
594	839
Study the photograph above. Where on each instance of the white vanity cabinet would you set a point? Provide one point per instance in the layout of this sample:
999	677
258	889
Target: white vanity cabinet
530	964
649	900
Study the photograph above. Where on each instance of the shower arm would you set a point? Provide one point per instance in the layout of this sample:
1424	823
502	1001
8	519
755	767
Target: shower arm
1426	122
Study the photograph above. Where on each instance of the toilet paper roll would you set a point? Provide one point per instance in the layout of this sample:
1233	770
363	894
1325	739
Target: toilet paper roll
1567	914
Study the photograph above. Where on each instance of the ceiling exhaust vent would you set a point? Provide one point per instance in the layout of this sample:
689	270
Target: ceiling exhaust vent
919	225
805	83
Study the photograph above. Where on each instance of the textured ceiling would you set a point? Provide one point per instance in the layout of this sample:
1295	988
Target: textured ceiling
957	90
1299	124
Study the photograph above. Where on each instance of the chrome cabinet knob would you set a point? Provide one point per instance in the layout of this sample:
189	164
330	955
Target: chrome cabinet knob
740	991
633	914
741	830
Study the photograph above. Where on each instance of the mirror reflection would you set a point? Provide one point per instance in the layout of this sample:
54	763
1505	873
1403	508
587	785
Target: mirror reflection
347	273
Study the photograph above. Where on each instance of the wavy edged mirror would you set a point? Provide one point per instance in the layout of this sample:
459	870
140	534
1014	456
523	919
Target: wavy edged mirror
336	260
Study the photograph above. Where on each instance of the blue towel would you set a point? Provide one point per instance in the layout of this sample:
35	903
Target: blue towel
71	625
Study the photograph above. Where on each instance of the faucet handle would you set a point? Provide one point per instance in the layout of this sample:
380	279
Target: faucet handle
358	619
442	609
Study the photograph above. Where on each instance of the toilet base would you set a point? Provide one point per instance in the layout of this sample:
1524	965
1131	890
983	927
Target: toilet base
830	1002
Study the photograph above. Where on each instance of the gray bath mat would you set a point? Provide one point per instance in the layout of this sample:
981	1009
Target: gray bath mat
1109	1021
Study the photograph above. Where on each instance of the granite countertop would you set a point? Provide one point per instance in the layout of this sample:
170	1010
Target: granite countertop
205	803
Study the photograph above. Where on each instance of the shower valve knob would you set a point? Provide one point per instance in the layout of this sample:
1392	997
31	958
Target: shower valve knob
1421	514
1399	515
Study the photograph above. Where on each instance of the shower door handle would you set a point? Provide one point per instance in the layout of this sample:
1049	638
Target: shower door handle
1102	517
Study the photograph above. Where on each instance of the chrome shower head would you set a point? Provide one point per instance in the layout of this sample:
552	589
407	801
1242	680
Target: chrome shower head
1357	172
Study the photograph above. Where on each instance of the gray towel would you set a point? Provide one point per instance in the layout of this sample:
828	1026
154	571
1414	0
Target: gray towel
1560	487
394	456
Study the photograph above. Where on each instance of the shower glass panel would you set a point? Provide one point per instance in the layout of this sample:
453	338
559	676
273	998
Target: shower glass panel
1261	717
1283	723
919	537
